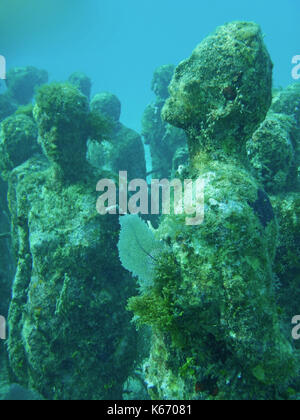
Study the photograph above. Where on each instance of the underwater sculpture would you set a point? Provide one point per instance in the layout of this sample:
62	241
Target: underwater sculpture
6	258
274	148
287	261
82	82
18	142
123	150
216	328
21	83
70	336
168	146
287	207
274	152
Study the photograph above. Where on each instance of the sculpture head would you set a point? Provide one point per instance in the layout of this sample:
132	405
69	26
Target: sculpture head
82	82
161	80
22	82
223	91
108	105
61	113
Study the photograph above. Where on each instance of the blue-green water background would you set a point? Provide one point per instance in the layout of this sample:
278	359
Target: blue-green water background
119	43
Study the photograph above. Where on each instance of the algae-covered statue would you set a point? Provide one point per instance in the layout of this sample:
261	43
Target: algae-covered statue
274	148
21	83
18	142
274	152
69	333
167	144
123	150
82	82
217	331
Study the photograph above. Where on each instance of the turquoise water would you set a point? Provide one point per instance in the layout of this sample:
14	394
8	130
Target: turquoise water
96	304
119	44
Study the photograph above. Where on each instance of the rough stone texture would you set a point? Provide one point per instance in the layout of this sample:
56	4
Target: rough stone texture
61	113
287	261
70	336
217	331
123	150
163	139
274	149
272	154
223	89
18	142
287	102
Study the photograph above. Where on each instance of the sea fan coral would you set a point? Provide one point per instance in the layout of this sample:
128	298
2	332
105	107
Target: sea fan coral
138	249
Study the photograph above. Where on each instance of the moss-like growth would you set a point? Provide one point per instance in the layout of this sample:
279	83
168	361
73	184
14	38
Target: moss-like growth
65	123
287	208
25	110
287	102
100	127
274	149
233	100
18	142
70	337
272	154
287	261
